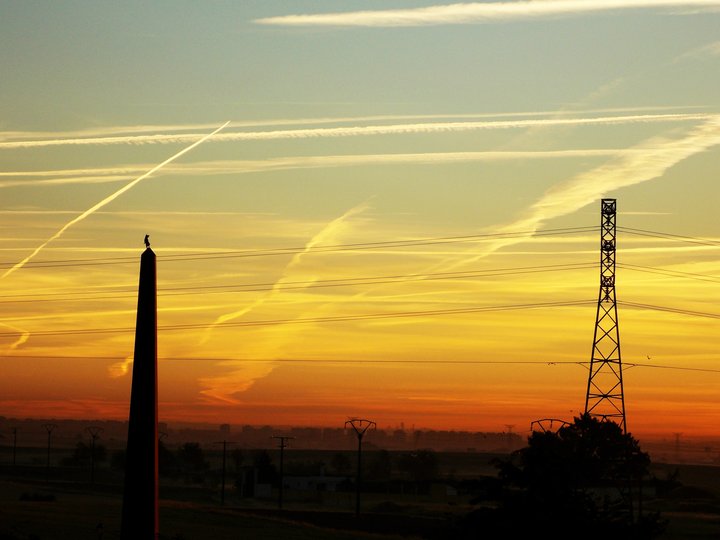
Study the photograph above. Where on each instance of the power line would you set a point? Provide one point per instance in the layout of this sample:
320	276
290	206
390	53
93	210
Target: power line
369	316
82	295
671	310
356	246
670	273
291	285
356	361
670	236
340	318
303	249
353	247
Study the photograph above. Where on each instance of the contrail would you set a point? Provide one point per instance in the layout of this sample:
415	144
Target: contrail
96	176
369	130
107	200
22	338
327	232
480	12
223	387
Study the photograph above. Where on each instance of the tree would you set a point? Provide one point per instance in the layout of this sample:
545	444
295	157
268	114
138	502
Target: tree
266	471
379	466
166	459
421	467
192	457
237	456
579	480
83	454
340	463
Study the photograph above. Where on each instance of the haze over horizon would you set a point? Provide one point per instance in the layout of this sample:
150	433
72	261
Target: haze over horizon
388	213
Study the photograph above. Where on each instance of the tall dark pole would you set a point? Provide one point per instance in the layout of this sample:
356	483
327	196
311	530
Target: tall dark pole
140	519
283	444
49	428
222	492
14	431
360	426
94	432
224	460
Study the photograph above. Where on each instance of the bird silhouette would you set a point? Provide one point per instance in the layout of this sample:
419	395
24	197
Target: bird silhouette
147	240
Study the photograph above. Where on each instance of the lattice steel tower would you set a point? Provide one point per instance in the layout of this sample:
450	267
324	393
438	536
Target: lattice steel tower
605	398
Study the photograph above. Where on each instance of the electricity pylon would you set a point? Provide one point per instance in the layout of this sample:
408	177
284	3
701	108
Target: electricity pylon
360	426
605	398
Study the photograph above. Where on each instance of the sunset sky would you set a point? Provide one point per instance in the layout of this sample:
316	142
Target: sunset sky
400	220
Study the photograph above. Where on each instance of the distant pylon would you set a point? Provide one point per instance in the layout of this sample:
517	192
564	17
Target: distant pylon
605	398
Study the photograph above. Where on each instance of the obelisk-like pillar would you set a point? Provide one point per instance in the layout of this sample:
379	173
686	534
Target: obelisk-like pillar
140	498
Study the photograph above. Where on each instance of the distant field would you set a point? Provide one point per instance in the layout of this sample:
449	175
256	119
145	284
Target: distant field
75	516
68	507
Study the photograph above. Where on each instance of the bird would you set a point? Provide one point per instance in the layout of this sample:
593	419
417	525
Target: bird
147	240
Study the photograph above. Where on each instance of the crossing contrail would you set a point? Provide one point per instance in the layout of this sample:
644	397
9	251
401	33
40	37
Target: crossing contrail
109	199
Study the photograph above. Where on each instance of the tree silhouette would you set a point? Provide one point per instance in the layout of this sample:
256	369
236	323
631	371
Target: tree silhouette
192	458
579	481
266	471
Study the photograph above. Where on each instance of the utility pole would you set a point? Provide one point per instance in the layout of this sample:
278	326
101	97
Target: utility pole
677	447
49	428
224	460
14	432
509	434
360	426
605	398
283	443
94	432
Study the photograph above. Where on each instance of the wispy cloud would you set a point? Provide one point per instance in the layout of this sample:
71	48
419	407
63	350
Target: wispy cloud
354	131
92	176
23	336
653	159
327	234
705	51
222	388
478	12
121	368
106	201
646	161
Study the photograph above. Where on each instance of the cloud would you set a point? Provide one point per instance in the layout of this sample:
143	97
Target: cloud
705	51
654	157
23	336
93	176
477	12
223	388
354	131
644	162
326	235
120	369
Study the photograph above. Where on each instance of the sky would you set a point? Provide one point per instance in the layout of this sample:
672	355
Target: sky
387	210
